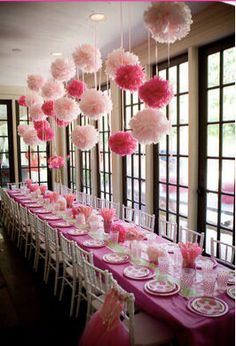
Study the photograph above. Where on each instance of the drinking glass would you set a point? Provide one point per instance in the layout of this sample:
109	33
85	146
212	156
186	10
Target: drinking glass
187	277
135	251
209	281
163	264
114	237
222	278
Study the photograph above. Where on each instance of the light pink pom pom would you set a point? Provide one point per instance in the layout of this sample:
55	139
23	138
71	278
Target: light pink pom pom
156	92
149	126
122	143
30	136
130	77
33	99
66	109
35	82
36	113
168	21
95	103
48	108
62	123
117	58
22	101
84	137
87	58
21	129
76	88
53	90
42	124
45	134
63	69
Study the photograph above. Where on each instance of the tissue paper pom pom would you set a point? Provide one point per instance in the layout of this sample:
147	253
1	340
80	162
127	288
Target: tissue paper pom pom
33	99
156	93
168	21
30	136
41	124
36	113
45	134
22	101
35	82
21	129
56	162
84	137
53	90
130	77
87	58
95	103
117	58
149	126
76	88
48	108
62	123
63	69
66	109
122	143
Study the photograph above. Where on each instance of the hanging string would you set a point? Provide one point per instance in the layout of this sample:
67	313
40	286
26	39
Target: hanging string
121	26
100	79
170	115
156	57
168	53
149	53
107	85
95	55
129	18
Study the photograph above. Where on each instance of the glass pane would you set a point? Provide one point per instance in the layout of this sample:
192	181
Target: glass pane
183	171
162	145
172	169
226	237
213	105
173	140
3	129
212	174
228	140
172	198
183	77
162	74
143	195
183	222
128	165
128	97
173	110
127	117
228	176
143	167
213	140
183	109
212	208
23	113
3	112
162	169
229	65
129	188
183	201
229	103
211	232
227	211
213	69
136	190
162	199
183	139
173	78
4	160
135	97
136	166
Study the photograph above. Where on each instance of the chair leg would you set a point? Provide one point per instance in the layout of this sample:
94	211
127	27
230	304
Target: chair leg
79	299
72	298
45	267
62	285
56	278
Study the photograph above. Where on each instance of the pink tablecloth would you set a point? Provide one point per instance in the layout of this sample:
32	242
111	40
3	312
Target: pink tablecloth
190	329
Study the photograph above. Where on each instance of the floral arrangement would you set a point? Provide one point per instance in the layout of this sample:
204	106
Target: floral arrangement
55	162
154	251
75	211
21	129
61	202
43	189
118	227
45	134
36	113
108	215
28	182
30	136
70	197
132	233
53	197
86	210
189	251
33	187
66	109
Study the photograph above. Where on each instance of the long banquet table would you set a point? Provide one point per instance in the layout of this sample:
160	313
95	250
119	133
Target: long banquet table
190	328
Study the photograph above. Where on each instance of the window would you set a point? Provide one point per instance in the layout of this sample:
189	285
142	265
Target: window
71	163
32	161
133	165
171	154
6	143
216	213
85	164
104	157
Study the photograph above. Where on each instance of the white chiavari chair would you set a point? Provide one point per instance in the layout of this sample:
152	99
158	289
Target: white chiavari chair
13	186
130	215
99	203
24	232
80	197
186	234
40	250
223	252
14	223
168	230
146	221
89	200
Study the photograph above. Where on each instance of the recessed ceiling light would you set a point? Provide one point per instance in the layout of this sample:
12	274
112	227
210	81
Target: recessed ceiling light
56	53
16	50
97	17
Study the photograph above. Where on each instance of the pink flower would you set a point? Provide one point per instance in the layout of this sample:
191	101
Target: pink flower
189	251
84	137
21	129
70	197
55	162
122	143
87	58
28	182
33	187
118	227
76	88
95	103
130	77
53	197
63	69
132	233
153	252
53	90
66	109
86	210
45	134
48	108
107	213
35	82
43	189
117	58
36	113
22	101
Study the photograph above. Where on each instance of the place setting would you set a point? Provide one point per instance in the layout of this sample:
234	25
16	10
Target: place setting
62	224
138	272
230	291
116	258
51	217
77	232
161	287
94	243
208	306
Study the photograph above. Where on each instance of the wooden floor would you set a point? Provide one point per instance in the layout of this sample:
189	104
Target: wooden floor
30	315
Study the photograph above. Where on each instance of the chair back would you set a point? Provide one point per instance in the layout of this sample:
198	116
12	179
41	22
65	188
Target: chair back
67	249
168	230
186	234
23	215
80	256
130	215
52	240
89	200
146	221
80	197
40	232
223	252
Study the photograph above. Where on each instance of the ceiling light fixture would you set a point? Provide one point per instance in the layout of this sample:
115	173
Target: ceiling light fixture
56	54
16	50
97	17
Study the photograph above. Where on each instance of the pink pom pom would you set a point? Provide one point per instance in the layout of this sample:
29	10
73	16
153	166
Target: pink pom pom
22	101
156	93
30	136
95	103
66	109
122	143
149	126
48	108
43	189
33	99
41	124
53	90
168	21
117	58
63	69
130	77
87	58
35	82
55	162
62	123
46	135
21	129
36	113
84	137
76	88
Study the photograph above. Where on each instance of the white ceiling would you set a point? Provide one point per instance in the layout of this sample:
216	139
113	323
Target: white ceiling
41	28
